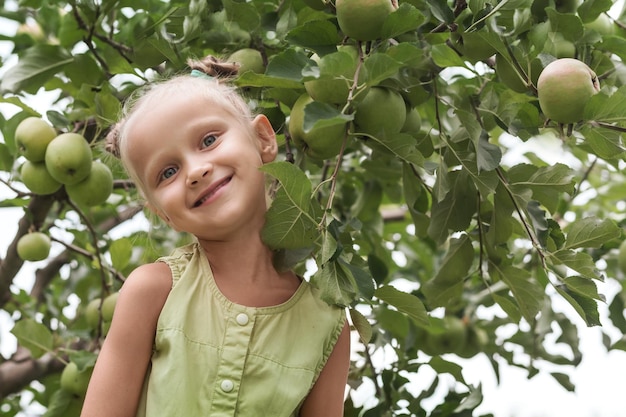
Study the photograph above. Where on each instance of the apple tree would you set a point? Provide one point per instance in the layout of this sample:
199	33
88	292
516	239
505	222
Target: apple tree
416	185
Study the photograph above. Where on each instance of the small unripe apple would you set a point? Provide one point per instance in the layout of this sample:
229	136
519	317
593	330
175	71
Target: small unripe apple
382	112
336	90
69	158
450	339
75	381
32	137
564	88
92	313
413	122
93	190
249	60
108	306
559	47
37	179
33	246
363	19
474	47
603	25
319	142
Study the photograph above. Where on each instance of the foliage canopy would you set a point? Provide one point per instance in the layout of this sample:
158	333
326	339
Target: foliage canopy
458	218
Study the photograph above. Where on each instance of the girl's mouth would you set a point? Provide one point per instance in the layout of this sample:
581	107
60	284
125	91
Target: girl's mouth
210	192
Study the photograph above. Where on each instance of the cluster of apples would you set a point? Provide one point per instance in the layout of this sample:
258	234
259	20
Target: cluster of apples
369	121
53	161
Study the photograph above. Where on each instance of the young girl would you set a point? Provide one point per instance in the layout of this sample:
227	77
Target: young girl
213	329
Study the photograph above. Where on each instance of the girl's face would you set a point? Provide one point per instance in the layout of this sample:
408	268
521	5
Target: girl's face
199	165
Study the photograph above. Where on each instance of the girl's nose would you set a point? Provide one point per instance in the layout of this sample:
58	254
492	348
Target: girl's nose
197	174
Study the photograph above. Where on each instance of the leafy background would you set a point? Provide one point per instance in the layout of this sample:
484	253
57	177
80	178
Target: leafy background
462	219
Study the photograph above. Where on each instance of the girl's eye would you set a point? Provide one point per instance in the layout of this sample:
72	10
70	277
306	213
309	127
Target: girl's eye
208	140
168	172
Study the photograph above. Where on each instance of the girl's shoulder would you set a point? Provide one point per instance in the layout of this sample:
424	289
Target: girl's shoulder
148	283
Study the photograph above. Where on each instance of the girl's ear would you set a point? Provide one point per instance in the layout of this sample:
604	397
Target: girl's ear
266	137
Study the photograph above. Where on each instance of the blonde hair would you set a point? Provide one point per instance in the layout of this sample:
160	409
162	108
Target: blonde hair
209	77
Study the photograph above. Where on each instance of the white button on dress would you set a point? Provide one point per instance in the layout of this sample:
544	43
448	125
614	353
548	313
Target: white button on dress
227	385
242	319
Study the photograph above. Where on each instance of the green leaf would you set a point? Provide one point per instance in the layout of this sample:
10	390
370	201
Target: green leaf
336	283
244	13
564	380
407	303
318	115
583	286
547	183
442	366
444	56
34	336
590	10
402	20
288	65
591	232
528	294
35	67
568	24
401	145
362	325
586	307
319	35
290	220
380	67
446	287
121	251
580	262
456	210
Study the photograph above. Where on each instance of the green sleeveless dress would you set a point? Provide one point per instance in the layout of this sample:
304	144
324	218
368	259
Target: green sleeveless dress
215	358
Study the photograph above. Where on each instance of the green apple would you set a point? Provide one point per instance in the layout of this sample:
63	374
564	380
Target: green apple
249	60
336	76
69	158
474	47
75	381
34	246
320	142
450	338
413	122
382	112
559	47
108	306
603	25
93	190
564	88
37	179
363	19
32	137
92	313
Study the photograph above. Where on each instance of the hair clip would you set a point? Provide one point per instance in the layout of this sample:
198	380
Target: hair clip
200	74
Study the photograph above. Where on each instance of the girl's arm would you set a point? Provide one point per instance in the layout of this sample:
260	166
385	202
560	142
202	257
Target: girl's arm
117	380
327	396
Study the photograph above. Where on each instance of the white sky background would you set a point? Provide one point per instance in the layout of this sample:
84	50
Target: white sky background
600	378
